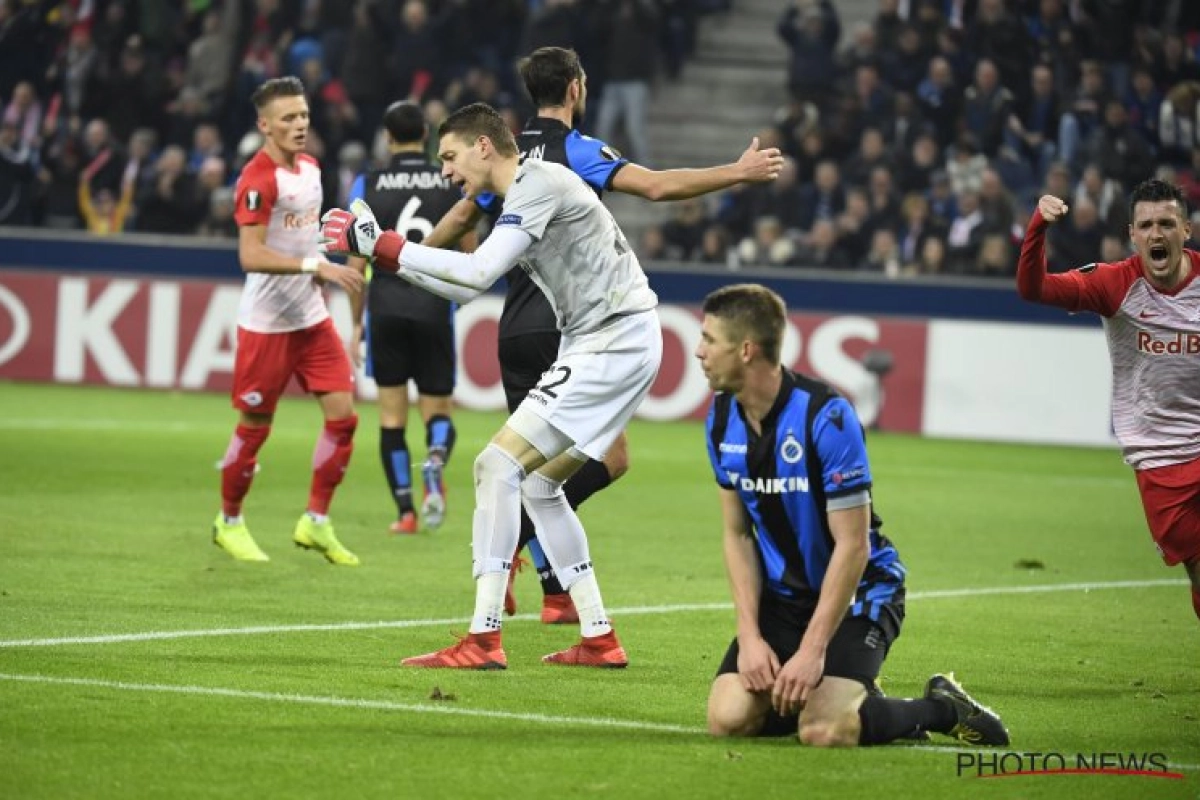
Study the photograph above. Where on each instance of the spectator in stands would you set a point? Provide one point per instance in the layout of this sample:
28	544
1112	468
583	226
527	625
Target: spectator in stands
875	99
685	228
996	257
811	29
781	198
987	107
883	200
17	174
820	249
630	30
1104	193
715	248
136	94
940	100
906	124
364	72
24	113
966	164
416	52
769	247
205	144
884	255
1179	123
999	37
1178	62
557	23
918	163
887	24
57	189
1143	101
210	55
943	203
220	223
1188	179
997	205
1113	249
653	246
1083	113
904	67
1118	149
824	198
103	214
932	260
1078	240
1046	26
171	205
853	226
918	225
962	241
871	154
863	48
1032	129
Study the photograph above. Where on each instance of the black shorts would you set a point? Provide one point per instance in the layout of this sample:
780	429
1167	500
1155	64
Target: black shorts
403	349
523	360
856	651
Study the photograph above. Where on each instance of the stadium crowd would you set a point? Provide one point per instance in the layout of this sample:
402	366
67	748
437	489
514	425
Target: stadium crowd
920	142
917	143
135	115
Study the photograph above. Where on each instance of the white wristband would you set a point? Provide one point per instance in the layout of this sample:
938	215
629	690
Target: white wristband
310	264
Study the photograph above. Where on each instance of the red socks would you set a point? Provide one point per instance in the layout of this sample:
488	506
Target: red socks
330	459
1196	602
238	466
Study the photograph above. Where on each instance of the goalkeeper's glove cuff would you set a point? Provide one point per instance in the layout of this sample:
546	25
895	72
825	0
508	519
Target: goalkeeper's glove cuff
387	251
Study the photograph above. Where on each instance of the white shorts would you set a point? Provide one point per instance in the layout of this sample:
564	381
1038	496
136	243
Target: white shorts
590	393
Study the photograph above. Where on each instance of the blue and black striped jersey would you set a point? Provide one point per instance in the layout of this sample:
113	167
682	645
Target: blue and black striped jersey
811	451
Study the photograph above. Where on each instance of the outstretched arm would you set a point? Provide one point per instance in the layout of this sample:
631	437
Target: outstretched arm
1064	291
754	166
357	232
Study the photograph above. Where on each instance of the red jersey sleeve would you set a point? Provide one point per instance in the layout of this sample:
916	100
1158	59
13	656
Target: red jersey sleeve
256	192
1100	288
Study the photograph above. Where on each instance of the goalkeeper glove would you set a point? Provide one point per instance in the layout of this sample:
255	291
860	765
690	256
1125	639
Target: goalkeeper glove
357	232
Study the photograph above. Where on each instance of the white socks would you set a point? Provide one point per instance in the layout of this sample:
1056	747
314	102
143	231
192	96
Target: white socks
565	544
489	602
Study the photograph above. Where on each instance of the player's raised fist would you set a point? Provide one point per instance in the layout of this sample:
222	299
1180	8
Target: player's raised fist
759	166
353	232
1051	208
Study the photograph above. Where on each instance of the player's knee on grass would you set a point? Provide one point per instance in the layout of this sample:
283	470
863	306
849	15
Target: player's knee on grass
840	731
732	711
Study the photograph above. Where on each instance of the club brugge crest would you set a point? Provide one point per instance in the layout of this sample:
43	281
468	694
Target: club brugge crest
791	451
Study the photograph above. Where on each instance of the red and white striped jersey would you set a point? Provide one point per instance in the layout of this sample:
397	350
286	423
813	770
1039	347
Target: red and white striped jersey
1153	344
288	202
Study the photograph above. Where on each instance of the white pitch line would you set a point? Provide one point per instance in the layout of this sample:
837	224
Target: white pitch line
626	612
423	708
353	702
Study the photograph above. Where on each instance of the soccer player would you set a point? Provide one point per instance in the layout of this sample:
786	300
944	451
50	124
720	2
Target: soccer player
1150	306
817	589
529	337
558	230
284	328
411	331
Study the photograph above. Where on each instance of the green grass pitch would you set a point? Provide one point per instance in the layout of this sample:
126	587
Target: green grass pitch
139	661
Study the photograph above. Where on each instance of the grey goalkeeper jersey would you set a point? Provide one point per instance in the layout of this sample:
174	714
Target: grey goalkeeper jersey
579	257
